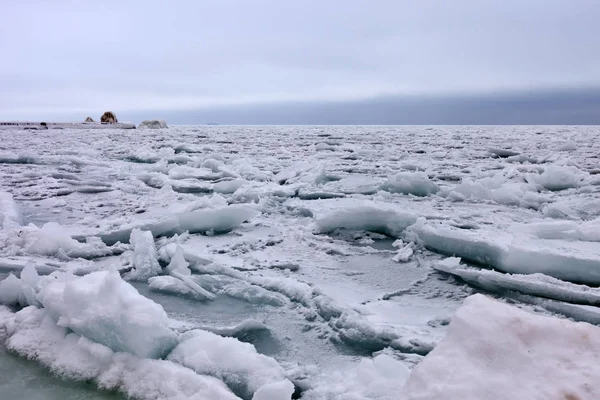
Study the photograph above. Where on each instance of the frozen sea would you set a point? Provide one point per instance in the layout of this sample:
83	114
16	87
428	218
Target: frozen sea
339	254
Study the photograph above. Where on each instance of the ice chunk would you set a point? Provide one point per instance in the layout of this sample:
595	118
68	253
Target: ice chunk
291	172
404	254
10	290
217	220
178	263
173	285
53	240
31	333
416	183
567	146
568	230
291	288
186	279
368	218
281	390
152	124
144	259
380	378
502	152
359	184
557	177
535	284
253	294
573	261
248	325
10	216
21	290
493	350
238	364
185	172
229	186
103	307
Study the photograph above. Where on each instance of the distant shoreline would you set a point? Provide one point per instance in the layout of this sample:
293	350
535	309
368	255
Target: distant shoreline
28	125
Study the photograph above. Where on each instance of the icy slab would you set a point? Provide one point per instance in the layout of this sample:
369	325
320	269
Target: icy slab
33	334
503	153
354	184
367	218
235	363
496	351
588	231
10	216
175	286
53	240
103	307
144	258
415	183
573	261
379	378
357	330
229	186
22	290
404	253
534	284
216	220
558	177
152	124
17	263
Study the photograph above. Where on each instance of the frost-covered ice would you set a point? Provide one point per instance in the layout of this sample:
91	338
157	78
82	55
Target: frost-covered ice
243	369
102	307
153	124
260	261
495	351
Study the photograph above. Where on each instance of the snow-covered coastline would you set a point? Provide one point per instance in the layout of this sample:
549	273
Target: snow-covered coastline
344	263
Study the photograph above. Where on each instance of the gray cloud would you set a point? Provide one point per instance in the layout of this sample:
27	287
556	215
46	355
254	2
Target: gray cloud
65	58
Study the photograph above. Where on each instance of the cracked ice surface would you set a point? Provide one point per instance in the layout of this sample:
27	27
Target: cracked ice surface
312	253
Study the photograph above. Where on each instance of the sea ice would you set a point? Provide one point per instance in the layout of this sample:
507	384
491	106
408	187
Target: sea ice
557	177
152	124
33	334
103	307
236	363
53	240
574	261
496	351
367	218
10	216
379	378
144	258
416	183
534	284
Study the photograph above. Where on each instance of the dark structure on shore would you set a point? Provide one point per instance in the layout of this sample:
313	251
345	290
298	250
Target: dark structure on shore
109	118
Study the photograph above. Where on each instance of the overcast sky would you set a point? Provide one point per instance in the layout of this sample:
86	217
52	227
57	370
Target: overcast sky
67	59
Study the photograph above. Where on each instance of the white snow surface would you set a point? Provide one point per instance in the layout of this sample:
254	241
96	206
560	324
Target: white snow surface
331	241
496	351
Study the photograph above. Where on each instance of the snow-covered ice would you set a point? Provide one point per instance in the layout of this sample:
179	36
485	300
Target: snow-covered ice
224	262
496	351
